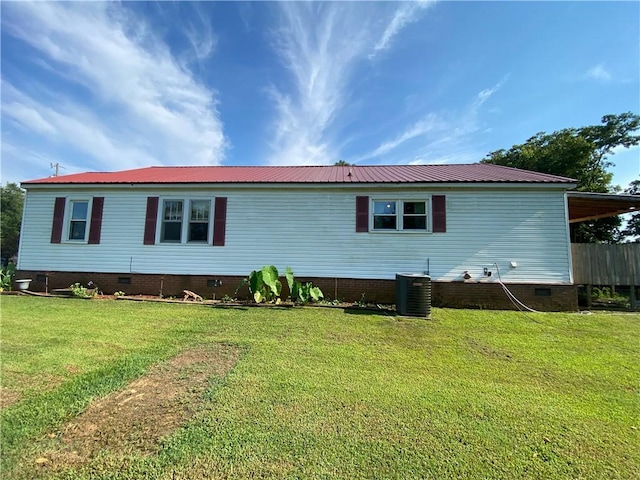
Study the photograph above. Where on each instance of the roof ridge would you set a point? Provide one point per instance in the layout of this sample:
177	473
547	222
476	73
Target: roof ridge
310	174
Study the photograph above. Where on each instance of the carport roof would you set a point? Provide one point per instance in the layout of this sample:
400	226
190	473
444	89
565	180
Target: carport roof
590	206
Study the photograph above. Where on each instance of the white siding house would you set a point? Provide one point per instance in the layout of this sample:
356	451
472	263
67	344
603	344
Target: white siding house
519	226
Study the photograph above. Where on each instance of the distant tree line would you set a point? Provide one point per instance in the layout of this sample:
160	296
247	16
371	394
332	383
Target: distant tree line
11	200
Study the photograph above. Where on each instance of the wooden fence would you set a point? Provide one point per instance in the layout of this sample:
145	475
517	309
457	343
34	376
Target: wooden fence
606	264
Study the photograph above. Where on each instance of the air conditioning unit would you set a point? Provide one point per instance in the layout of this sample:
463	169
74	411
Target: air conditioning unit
413	295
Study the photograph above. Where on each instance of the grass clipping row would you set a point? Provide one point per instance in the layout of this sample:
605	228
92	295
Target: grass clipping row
149	408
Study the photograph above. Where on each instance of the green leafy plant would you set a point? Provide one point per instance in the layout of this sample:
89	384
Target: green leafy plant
80	291
605	293
362	302
302	292
264	284
6	277
227	299
606	296
327	301
119	293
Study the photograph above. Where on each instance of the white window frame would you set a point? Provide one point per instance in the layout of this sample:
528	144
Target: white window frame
186	220
400	201
68	212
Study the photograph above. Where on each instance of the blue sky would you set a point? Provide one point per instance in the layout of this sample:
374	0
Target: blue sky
111	86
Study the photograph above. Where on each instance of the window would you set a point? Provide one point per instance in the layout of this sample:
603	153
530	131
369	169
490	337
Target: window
384	216
400	215
79	210
414	216
199	221
77	220
185	221
171	221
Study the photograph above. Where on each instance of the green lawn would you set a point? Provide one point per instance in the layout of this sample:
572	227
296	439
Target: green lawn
321	393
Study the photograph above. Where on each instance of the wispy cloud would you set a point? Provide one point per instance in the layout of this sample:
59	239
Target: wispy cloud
321	45
78	128
152	109
438	137
317	45
200	34
421	128
598	72
408	13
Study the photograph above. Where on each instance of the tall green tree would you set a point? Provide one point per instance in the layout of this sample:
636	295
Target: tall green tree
11	202
579	153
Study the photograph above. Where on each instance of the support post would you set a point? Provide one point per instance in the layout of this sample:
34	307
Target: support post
633	299
588	290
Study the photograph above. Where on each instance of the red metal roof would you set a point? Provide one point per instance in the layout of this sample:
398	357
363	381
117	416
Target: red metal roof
456	173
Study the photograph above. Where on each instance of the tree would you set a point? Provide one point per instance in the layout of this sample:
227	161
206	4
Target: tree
342	163
11	201
582	154
633	224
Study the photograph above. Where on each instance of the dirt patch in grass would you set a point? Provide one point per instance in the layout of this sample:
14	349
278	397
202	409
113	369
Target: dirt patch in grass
8	397
135	419
488	351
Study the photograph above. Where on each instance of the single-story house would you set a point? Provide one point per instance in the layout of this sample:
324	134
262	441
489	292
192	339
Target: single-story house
349	229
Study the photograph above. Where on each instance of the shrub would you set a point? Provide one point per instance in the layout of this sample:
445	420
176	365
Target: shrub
264	285
81	292
302	292
6	277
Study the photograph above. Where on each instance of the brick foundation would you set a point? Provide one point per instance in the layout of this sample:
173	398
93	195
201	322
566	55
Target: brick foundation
444	294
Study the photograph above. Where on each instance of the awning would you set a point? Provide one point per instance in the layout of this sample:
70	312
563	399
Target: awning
589	206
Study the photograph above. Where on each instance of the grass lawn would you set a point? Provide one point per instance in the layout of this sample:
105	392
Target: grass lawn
321	393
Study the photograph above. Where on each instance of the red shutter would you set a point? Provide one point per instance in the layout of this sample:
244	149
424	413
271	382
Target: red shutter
219	221
362	214
439	213
150	221
58	220
96	220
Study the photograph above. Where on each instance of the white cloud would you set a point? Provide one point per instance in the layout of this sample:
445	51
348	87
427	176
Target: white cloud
442	137
599	73
318	47
421	128
408	13
321	44
200	34
26	117
143	107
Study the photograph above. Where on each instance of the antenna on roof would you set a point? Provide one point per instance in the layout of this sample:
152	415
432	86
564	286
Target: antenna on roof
349	174
57	166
